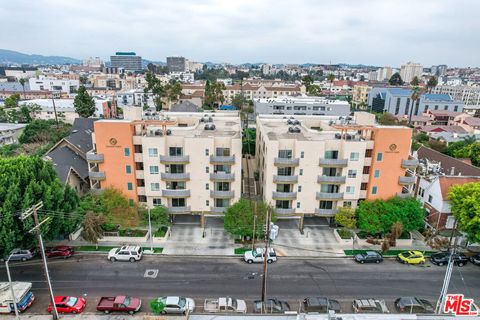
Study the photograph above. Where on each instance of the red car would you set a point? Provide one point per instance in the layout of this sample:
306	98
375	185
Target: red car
59	251
67	304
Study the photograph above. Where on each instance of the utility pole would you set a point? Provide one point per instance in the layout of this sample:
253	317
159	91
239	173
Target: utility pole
34	211
14	298
54	108
254	222
448	272
265	254
150	230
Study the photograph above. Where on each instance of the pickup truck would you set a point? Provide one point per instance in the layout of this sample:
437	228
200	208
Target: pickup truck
119	304
225	304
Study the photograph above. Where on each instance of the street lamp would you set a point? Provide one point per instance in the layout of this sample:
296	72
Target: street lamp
11	287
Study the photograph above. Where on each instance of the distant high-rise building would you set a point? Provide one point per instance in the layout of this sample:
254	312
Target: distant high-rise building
411	70
93	62
439	70
384	73
177	64
126	60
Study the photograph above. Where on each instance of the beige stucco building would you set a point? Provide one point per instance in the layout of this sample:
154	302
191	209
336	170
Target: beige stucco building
360	96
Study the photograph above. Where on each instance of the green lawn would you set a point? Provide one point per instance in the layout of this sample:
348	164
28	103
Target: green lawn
391	253
241	250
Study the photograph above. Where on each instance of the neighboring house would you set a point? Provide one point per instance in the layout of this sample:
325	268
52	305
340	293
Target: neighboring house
302	105
469	123
10	132
437	129
415	120
69	156
450	137
447	165
441	117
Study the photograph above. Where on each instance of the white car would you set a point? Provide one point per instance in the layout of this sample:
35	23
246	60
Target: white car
178	305
125	253
257	255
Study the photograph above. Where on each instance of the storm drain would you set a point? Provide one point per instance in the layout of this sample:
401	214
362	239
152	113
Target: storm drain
151	273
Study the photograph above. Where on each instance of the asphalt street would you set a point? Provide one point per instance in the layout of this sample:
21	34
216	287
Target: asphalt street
204	277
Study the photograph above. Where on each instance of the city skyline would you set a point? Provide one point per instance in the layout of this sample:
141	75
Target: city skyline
369	33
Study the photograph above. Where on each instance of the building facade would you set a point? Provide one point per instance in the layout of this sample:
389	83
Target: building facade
468	94
302	106
177	64
126	60
324	163
411	70
43	83
175	159
360	96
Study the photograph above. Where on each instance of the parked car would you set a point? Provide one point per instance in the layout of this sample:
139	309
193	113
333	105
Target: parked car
178	305
271	306
411	257
475	259
369	256
59	251
21	254
370	306
119	304
66	304
126	253
320	305
225	304
257	255
441	258
413	305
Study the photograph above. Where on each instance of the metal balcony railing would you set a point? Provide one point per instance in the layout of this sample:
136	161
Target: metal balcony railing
222	194
331	179
333	162
174	159
222	176
96	175
325	212
95	157
180	193
222	159
329	196
175	176
285	179
284	195
286	161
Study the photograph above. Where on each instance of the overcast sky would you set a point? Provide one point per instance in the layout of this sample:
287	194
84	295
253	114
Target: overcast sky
377	32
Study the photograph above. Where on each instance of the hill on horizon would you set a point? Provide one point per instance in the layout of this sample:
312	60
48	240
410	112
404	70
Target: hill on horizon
10	56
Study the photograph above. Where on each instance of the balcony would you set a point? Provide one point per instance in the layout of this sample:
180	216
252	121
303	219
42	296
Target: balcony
331	179
222	159
218	209
285	179
286	161
174	159
179	193
325	212
179	210
138	157
403	195
367	162
407	164
284	211
94	157
284	195
222	194
139	174
329	196
175	176
141	191
96	175
333	162
222	176
362	194
406	180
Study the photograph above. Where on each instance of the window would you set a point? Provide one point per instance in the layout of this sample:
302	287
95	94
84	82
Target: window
436	107
455	108
207	203
207	169
445	107
176	185
354	156
175	168
126	152
155	186
175	151
352	173
407	106
285	171
298	204
128	169
222	168
347	204
138	165
299	188
374	190
350	189
138	148
207	186
379	156
129	186
222	152
330	172
329	188
157	202
302	154
366	170
285	154
282	204
178	202
376	174
397	107
142	198
332	154
326	205
152	152
301	172
363	186
222	203
368	153
131	202
207	152
430	198
153	169
222	186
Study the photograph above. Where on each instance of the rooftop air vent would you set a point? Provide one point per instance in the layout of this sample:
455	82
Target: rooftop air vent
210	119
202	120
297	130
296	122
169	132
290	122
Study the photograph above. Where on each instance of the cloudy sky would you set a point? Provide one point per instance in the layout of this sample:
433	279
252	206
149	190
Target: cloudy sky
377	32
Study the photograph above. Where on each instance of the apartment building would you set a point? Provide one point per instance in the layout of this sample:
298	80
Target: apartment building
53	84
468	94
188	162
411	70
302	105
311	166
360	96
177	64
126	60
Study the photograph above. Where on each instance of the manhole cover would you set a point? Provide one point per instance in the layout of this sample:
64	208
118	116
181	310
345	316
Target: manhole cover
151	273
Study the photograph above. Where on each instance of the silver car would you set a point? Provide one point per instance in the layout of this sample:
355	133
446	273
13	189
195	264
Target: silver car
178	305
21	255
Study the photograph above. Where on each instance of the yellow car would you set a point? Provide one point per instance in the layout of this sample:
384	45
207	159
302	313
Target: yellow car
411	257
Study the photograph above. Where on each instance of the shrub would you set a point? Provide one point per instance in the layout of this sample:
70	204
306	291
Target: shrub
157	306
344	234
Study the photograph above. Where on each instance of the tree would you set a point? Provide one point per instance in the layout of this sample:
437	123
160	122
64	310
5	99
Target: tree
395	232
239	219
331	77
239	101
432	83
438	145
346	217
415	81
464	202
44	131
416	94
26	181
22	83
386	119
92	227
157	306
378	216
159	216
12	101
213	94
395	80
174	90
84	103
362	78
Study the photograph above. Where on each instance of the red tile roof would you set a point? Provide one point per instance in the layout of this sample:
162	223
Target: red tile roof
447	181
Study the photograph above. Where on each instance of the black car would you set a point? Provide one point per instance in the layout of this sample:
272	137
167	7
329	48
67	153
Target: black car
369	256
413	305
475	259
271	306
320	305
441	258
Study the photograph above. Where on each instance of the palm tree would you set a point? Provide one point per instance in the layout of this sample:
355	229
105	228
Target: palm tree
22	82
432	83
416	94
92	230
